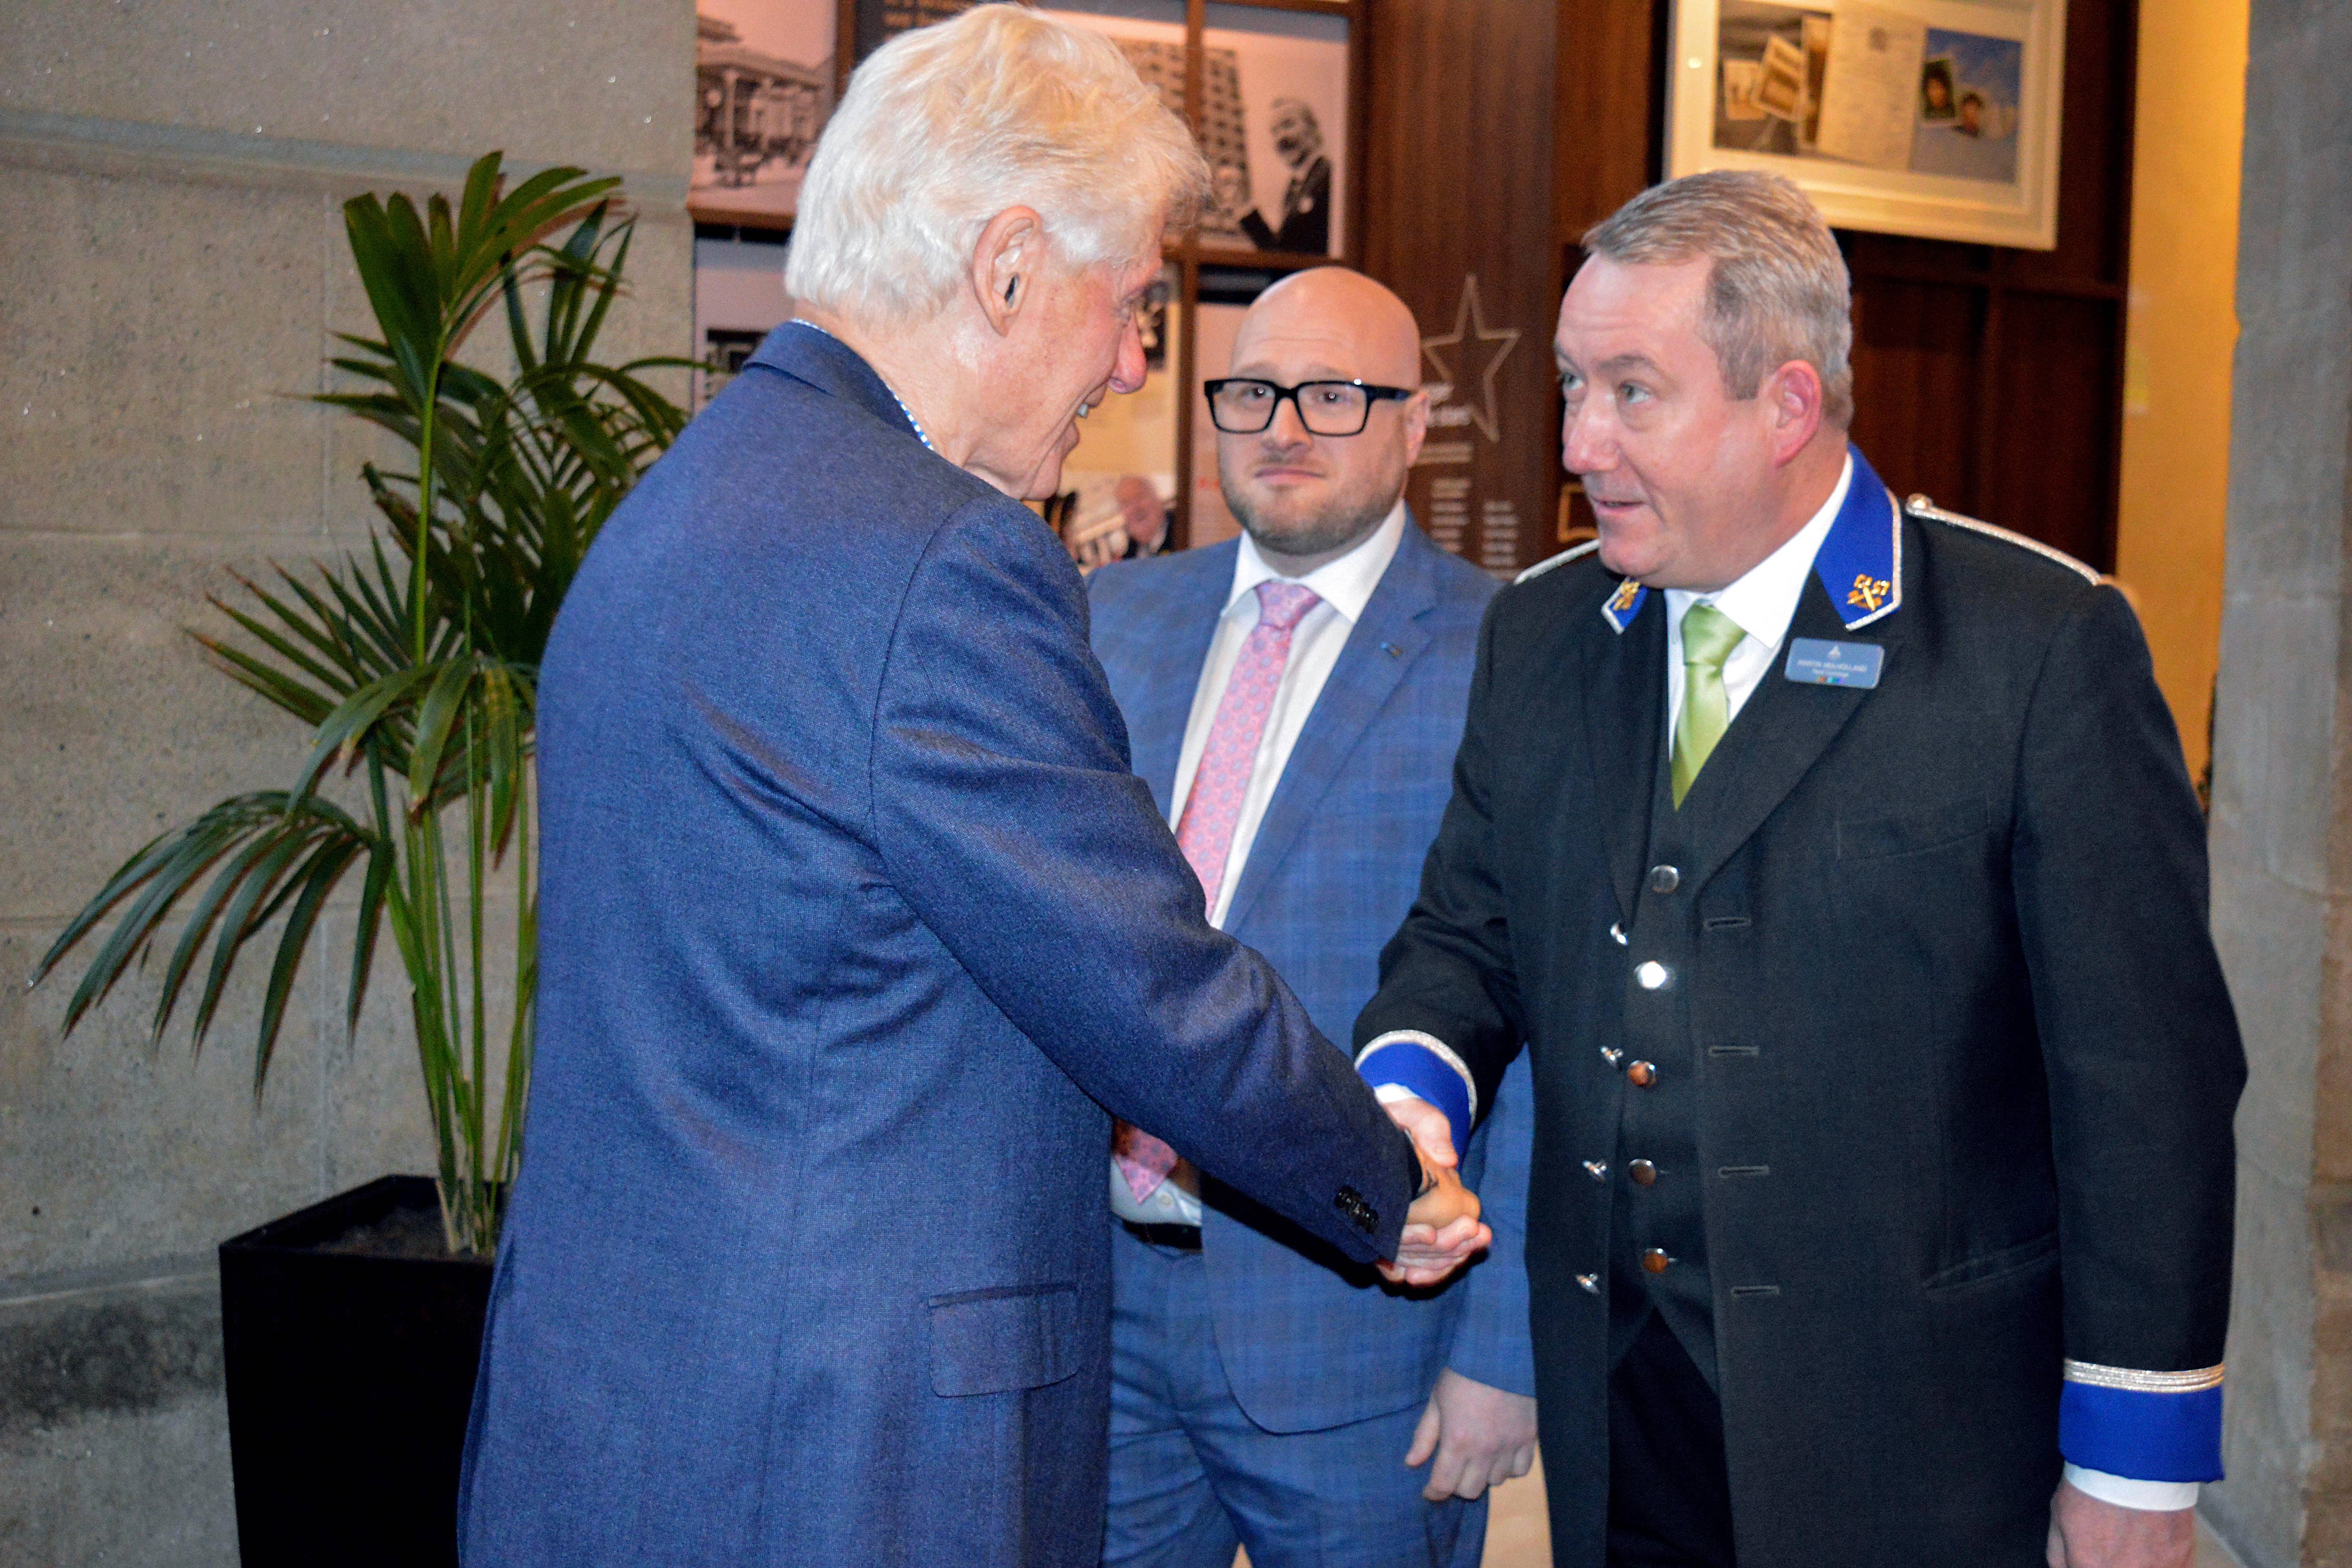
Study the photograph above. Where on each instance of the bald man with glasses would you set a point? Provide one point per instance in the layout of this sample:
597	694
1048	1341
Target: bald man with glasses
1293	698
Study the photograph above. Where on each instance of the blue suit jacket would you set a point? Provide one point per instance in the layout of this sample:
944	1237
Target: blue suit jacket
854	921
1309	1339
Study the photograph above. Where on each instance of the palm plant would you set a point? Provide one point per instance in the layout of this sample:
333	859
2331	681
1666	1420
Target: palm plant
417	665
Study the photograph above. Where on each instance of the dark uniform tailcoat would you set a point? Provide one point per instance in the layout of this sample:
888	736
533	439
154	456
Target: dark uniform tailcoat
1934	988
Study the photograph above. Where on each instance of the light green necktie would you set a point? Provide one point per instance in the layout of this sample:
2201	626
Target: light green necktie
1708	637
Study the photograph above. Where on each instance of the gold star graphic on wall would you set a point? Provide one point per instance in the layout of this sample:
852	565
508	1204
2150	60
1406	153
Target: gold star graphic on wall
1463	348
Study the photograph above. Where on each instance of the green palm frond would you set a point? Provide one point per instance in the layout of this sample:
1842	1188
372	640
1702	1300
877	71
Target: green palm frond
415	662
262	849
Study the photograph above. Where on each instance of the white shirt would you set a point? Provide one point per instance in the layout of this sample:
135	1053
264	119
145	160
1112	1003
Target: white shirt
1345	586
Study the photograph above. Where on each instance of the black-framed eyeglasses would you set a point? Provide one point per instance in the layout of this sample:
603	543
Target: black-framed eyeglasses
1241	405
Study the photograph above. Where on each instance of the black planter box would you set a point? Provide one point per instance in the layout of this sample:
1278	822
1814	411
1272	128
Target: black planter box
350	1375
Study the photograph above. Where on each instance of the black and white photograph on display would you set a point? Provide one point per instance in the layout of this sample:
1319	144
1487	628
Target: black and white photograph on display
1274	106
1935	118
1274	114
763	89
1150	33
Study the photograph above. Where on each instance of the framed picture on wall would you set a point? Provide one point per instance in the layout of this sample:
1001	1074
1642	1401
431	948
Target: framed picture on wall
764	82
1932	118
1274	126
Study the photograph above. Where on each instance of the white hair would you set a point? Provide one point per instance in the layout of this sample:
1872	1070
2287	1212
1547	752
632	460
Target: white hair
1778	289
944	127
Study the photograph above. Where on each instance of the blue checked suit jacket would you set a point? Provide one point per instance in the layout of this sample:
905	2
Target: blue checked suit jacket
1310	1340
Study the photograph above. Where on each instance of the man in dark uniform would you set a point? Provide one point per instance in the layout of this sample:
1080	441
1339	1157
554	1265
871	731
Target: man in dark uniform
1835	860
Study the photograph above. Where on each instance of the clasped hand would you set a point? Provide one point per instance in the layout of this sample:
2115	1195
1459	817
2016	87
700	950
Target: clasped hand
1442	1229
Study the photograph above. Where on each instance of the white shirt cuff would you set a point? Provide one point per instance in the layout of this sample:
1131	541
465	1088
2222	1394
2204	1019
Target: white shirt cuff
2154	1497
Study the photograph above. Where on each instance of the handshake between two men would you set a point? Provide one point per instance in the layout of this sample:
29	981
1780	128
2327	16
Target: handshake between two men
1442	1229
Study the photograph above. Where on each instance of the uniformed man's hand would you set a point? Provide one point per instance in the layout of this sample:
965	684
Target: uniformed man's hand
1481	1434
2087	1532
1442	1231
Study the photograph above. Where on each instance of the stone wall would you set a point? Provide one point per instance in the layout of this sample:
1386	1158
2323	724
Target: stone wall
2283	800
172	264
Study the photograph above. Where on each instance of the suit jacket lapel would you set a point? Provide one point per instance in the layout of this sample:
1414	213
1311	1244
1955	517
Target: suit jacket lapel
1156	726
1378	651
1624	703
1780	733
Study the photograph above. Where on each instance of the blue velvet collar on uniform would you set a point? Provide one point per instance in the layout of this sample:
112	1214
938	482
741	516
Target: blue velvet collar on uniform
1860	561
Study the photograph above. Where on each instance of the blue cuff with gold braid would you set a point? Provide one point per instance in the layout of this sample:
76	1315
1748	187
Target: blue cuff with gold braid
2148	1426
1422	1064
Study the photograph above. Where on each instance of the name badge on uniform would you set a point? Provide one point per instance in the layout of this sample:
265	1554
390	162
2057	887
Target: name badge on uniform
1815	663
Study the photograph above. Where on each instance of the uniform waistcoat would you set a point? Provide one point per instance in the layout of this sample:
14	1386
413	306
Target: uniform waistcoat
1659	1122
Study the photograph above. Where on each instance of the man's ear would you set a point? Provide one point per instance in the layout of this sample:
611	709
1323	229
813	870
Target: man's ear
1416	425
1792	401
1004	266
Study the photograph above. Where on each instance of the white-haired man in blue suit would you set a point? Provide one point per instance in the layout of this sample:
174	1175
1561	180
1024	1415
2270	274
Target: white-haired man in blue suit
1294	698
807	1262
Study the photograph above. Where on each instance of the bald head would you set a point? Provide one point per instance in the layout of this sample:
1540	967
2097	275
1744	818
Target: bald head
1344	316
1306	498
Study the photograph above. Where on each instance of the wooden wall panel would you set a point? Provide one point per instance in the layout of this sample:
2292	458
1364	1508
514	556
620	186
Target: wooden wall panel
1458	185
2055	449
1915	370
1608	61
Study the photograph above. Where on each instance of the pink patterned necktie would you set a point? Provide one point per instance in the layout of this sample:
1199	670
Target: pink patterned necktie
1219	781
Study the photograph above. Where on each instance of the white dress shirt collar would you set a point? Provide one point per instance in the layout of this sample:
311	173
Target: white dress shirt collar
1763	602
1345	584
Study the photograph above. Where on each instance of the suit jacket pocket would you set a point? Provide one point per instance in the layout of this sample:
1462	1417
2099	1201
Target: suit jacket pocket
1908	833
1006	1338
1987	1268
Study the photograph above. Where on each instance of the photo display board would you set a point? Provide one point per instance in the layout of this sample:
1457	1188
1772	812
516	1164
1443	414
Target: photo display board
763	79
1274	126
1932	118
